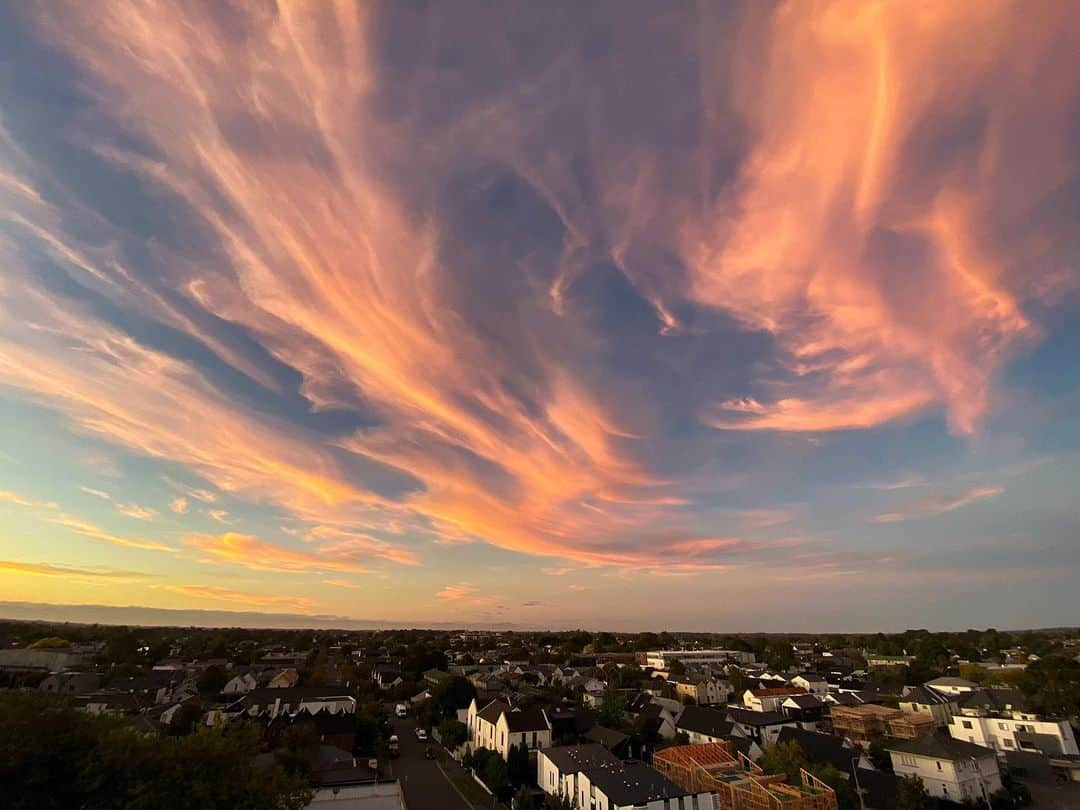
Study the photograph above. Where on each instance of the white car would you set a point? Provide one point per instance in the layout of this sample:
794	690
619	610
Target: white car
421	735
401	710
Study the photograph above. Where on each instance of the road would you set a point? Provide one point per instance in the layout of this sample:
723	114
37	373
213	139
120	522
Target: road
422	782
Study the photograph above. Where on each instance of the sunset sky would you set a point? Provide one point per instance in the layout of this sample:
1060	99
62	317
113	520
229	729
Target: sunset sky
716	316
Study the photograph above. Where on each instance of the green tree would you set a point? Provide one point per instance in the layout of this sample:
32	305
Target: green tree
786	758
612	710
213	680
453	733
517	766
451	694
911	794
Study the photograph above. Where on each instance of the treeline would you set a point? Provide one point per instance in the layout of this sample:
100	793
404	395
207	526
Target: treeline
52	756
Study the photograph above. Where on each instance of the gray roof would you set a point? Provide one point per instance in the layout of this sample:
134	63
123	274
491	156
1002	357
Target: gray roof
940	748
607	737
492	711
574	758
748	717
531	719
924	696
633	783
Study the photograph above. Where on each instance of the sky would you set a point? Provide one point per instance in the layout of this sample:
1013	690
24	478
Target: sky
709	316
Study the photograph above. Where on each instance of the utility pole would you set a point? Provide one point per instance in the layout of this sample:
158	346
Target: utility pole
855	773
982	784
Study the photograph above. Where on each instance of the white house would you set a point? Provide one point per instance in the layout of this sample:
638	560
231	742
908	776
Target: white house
240	684
269	703
812	682
949	769
769	700
634	786
497	727
557	768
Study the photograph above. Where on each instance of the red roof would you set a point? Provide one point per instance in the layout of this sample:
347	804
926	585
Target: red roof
785	690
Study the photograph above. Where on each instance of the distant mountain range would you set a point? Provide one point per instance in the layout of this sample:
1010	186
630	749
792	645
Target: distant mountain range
163	617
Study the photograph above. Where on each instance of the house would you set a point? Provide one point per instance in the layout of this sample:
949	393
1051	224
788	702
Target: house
634	786
812	682
951	686
387	676
807	710
497	726
285	679
761	727
270	702
949	769
614	741
921	700
38	660
557	769
703	691
703	724
822	749
242	684
70	683
996	718
663	712
769	700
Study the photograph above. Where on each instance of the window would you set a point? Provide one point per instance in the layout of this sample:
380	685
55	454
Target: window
967	723
939	766
1002	726
1007	741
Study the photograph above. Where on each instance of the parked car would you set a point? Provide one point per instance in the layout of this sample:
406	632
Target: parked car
393	746
429	753
421	735
401	710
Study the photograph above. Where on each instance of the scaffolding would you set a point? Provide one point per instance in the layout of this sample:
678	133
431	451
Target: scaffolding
737	782
861	724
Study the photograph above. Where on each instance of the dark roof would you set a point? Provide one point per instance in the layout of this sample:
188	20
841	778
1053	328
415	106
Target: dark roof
748	717
806	701
574	758
292	694
531	719
492	711
822	749
996	700
920	694
702	720
607	737
879	789
633	783
1045	743
940	748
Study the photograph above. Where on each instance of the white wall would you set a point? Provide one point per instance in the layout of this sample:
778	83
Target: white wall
999	733
957	781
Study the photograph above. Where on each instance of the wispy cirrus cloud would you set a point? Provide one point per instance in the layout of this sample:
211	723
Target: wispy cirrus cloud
97	493
88	529
939	504
248	598
179	505
260	555
789	189
73	573
134	510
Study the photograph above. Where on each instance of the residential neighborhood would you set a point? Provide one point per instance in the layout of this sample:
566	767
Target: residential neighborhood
588	720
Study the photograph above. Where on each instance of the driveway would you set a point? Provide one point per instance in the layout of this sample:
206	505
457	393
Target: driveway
421	781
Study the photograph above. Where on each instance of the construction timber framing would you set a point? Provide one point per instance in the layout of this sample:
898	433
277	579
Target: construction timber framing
737	782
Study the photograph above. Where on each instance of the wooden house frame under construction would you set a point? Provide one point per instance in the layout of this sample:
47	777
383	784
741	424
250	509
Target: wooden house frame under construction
737	782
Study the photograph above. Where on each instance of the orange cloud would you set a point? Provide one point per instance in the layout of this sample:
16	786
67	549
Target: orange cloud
298	603
93	576
179	505
342	275
939	504
250	552
134	510
87	529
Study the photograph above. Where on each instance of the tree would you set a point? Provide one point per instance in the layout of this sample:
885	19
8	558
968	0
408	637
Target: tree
453	733
612	709
517	766
213	680
911	794
451	694
879	754
52	756
787	758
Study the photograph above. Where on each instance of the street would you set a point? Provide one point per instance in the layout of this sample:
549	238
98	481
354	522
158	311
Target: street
422	782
